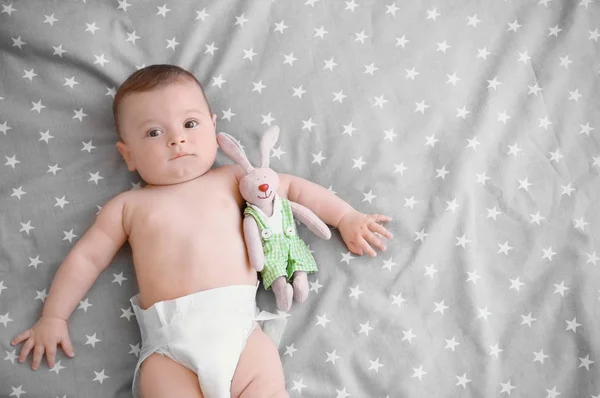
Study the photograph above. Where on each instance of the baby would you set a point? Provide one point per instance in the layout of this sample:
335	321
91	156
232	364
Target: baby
196	305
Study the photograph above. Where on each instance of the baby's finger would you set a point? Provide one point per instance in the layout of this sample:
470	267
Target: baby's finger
50	355
381	218
38	353
25	350
353	247
374	240
380	229
362	243
67	346
23	336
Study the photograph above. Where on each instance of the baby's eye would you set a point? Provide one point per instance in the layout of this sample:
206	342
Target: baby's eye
154	133
190	124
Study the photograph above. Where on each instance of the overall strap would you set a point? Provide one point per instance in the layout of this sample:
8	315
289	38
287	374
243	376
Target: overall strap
249	210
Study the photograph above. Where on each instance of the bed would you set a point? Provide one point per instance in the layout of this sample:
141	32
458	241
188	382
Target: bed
474	125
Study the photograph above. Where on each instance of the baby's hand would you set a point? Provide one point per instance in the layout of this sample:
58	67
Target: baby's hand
358	231
43	337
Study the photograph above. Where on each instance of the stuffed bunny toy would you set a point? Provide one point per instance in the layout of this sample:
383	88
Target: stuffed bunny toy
274	247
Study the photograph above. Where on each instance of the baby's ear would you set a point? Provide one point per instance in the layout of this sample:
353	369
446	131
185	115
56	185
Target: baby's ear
214	119
124	150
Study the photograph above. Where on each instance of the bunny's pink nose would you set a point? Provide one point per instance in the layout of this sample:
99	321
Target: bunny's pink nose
264	187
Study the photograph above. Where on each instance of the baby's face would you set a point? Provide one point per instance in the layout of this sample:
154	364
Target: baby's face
168	133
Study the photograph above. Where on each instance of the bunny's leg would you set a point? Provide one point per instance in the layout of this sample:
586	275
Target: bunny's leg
300	283
283	293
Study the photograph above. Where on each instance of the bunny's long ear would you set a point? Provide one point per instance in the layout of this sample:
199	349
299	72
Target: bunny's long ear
232	148
267	143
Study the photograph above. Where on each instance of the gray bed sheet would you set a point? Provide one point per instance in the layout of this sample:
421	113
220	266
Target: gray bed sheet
474	124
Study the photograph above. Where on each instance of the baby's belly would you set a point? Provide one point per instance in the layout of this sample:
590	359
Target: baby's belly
166	273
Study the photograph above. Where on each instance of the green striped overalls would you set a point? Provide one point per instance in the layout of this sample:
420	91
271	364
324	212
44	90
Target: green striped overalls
285	252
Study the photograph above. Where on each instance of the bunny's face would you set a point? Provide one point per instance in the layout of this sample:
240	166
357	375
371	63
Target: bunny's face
259	186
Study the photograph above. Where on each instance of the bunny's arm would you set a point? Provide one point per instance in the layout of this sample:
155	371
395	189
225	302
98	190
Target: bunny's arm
319	200
311	220
253	243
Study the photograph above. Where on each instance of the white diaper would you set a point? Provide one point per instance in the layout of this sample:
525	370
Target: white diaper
205	332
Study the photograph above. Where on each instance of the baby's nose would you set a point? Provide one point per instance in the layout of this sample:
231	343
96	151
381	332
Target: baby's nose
178	140
264	187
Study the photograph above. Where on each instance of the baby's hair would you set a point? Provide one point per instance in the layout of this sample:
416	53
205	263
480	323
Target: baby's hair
149	78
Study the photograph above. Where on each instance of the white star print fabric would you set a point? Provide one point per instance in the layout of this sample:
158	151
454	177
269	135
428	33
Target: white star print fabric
474	125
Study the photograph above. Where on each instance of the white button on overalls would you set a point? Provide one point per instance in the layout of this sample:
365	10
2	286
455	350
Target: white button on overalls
266	234
289	231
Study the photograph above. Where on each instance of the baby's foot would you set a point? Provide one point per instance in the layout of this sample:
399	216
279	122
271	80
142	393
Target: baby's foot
300	286
283	293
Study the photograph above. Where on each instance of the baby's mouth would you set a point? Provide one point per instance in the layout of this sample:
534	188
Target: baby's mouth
267	196
180	155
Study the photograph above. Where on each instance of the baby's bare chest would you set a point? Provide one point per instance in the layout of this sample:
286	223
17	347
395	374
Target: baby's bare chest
178	235
182	214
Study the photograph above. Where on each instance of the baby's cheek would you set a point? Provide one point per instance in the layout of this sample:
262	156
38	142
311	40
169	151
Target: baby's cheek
207	147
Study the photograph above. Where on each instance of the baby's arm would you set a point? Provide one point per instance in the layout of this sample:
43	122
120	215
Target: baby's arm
324	203
358	230
78	272
86	260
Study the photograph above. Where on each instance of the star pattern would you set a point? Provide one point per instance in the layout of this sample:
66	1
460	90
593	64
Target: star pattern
486	155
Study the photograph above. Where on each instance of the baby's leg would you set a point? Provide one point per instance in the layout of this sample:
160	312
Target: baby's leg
259	372
161	377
